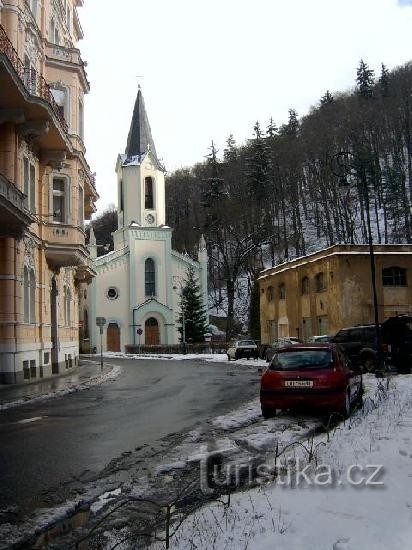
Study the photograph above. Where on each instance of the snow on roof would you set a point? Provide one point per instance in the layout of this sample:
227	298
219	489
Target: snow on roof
337	250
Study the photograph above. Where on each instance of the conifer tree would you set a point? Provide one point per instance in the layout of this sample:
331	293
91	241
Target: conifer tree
258	167
214	190
192	311
326	99
272	130
365	80
384	81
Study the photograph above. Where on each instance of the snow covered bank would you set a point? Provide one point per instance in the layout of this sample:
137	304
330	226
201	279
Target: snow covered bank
350	511
209	357
111	374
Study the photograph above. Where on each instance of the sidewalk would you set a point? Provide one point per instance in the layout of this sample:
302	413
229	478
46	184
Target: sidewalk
85	375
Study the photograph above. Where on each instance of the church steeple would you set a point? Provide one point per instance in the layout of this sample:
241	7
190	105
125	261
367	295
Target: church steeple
140	175
140	140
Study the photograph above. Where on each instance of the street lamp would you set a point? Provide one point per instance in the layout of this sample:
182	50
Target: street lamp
342	164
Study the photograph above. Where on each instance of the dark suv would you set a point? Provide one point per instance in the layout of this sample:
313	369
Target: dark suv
359	344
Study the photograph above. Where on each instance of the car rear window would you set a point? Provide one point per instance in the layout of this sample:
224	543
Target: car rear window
305	359
246	343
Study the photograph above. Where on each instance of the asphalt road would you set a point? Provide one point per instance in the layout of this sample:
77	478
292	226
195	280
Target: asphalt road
44	444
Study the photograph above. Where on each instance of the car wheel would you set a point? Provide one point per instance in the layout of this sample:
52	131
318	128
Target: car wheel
359	397
346	409
268	412
369	364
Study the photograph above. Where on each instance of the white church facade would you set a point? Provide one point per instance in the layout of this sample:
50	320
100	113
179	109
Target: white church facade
137	286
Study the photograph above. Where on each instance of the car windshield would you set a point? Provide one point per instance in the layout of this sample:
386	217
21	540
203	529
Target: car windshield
246	343
305	359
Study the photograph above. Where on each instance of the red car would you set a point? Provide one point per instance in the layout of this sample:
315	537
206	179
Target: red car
315	376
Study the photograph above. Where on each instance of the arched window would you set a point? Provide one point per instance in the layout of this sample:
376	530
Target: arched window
320	282
29	298
305	285
85	325
150	277
69	299
32	297
148	193
282	291
269	293
61	194
394	276
26	298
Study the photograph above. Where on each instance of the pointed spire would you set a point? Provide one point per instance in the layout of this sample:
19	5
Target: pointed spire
92	237
139	140
202	250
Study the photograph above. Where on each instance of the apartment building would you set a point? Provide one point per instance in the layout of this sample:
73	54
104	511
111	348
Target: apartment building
330	289
47	189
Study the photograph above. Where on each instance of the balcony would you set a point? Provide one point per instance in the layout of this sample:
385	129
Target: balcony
64	246
15	217
24	90
67	58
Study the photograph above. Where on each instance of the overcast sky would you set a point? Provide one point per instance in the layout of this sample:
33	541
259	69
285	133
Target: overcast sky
211	68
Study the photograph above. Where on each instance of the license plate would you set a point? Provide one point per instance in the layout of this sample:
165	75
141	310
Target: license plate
299	383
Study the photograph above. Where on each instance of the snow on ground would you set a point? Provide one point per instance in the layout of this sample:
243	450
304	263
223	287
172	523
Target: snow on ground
365	501
209	357
104	499
111	374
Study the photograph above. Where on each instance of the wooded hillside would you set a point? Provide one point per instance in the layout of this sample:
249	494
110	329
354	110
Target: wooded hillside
301	186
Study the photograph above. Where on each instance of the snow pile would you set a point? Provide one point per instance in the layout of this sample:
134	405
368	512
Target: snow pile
208	357
113	373
351	512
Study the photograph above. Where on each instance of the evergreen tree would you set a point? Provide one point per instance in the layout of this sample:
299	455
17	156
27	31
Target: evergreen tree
365	80
214	190
192	311
292	127
384	81
272	130
254	312
258	167
326	99
230	153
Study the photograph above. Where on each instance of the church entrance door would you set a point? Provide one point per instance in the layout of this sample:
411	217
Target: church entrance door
113	337
151	333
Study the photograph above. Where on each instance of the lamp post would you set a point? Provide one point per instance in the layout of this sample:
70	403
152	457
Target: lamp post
343	163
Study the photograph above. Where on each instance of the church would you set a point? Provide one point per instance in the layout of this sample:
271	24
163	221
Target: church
137	286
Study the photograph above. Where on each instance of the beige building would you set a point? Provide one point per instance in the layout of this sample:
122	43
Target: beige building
46	187
331	289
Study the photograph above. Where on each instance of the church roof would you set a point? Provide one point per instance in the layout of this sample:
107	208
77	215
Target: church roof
140	140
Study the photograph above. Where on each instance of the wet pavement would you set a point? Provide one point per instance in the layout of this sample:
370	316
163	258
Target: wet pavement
46	445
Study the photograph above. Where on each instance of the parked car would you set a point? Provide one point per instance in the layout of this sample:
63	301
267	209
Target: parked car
321	338
359	344
397	342
279	343
318	376
242	348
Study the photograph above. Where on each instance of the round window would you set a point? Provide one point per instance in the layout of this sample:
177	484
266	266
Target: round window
112	293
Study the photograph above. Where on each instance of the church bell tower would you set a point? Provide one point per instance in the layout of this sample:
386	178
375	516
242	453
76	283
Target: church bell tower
140	175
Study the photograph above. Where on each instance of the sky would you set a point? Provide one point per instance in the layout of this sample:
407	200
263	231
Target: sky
212	68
